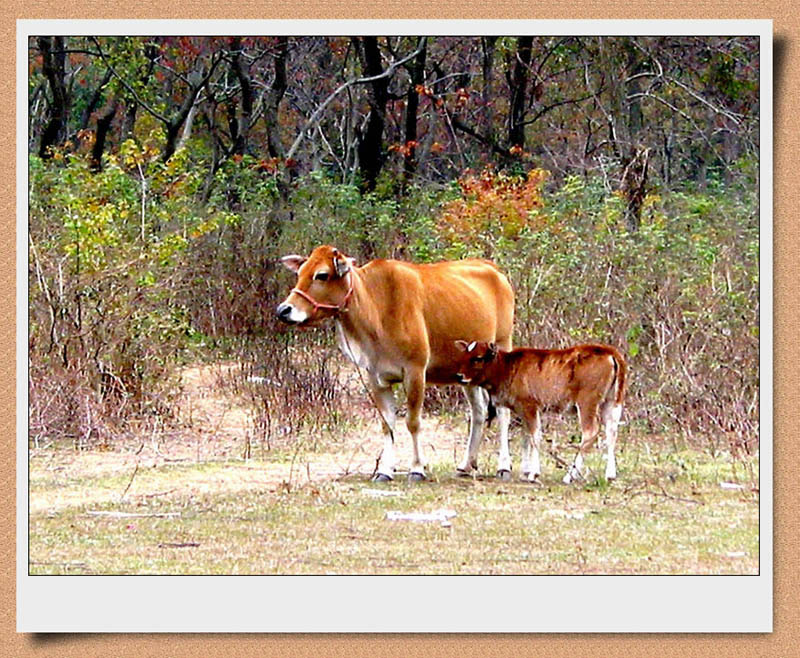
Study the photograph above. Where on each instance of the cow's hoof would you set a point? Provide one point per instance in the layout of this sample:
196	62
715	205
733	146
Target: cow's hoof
416	477
381	477
504	475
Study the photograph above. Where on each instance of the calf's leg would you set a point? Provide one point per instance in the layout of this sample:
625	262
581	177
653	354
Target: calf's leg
587	411
611	415
504	456
531	465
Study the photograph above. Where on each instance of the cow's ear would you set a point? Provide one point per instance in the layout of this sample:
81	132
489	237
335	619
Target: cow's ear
293	262
342	263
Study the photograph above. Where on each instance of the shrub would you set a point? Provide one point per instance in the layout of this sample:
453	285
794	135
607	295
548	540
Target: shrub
105	249
132	266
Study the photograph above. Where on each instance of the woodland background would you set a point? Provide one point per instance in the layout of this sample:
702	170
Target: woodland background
614	179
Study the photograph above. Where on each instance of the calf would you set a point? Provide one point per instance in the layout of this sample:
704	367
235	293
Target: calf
527	380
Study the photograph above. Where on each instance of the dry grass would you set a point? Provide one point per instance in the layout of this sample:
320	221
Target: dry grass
185	501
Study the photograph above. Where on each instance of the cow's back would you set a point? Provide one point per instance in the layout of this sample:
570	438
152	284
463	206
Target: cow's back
447	301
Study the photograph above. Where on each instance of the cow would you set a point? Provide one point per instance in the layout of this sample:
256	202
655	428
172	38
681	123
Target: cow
591	377
399	322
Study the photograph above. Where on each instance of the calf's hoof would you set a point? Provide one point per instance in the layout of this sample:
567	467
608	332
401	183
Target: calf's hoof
416	477
381	477
504	475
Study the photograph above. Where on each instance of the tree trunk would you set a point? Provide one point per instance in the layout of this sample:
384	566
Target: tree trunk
196	80
633	89
92	105
188	126
128	121
273	101
634	188
412	107
54	69
245	109
519	85
370	147
103	125
487	71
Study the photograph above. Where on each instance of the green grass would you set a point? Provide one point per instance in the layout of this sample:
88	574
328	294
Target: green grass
666	514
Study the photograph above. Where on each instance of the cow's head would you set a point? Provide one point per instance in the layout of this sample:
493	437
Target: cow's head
322	289
471	365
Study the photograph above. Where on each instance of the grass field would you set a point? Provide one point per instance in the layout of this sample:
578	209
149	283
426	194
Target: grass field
188	504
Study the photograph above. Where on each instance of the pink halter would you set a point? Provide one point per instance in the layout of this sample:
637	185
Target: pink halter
327	307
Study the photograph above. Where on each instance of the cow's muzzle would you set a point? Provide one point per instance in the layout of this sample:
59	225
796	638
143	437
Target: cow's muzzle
285	313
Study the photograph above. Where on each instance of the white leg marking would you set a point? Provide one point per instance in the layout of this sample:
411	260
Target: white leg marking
611	465
535	465
386	404
415	390
504	456
611	419
574	471
478	403
388	459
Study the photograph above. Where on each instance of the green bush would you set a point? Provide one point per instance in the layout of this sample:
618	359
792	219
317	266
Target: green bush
133	265
105	311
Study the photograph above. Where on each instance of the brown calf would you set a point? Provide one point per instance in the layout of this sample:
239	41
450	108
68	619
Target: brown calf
527	380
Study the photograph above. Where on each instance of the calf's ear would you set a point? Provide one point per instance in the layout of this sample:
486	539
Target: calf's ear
491	352
293	262
464	346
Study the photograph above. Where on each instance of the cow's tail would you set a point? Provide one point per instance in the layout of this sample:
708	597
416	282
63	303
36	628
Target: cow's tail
491	412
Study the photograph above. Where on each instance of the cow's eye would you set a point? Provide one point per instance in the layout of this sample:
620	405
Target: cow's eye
321	276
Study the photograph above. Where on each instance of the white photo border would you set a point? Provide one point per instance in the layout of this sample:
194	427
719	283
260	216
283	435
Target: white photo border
419	604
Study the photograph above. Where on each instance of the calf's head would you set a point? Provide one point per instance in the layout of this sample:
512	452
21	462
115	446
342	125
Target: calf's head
471	366
323	286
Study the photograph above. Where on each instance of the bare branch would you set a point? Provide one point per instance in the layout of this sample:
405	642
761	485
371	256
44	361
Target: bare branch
358	81
125	84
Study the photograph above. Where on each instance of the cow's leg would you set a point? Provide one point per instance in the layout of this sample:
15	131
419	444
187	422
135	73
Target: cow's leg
415	394
478	404
531	464
611	415
587	412
503	421
384	398
504	456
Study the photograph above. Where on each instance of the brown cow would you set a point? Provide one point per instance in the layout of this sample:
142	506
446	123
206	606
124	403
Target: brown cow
527	380
399	322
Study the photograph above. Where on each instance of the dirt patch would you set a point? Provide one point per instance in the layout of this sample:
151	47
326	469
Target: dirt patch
223	422
215	430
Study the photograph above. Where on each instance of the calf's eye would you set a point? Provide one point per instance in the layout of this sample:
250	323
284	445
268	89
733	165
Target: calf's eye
321	276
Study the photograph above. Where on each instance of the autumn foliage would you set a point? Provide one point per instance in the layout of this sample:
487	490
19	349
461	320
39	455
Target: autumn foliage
492	204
